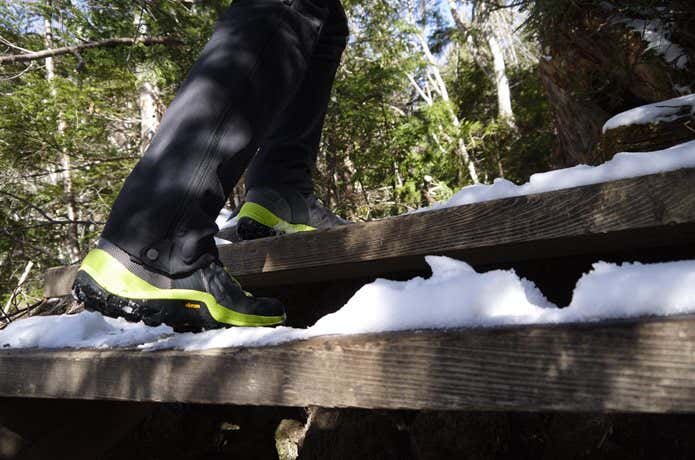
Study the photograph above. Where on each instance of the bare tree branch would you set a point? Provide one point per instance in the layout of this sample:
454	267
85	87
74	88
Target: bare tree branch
419	90
12	77
109	42
22	279
80	167
5	41
30	204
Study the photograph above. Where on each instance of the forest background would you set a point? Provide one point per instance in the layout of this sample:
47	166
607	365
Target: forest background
432	95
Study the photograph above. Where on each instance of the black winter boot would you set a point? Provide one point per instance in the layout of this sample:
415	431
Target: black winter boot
269	212
162	264
109	282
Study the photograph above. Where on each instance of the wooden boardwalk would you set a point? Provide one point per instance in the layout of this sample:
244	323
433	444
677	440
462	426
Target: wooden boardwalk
649	211
644	366
643	212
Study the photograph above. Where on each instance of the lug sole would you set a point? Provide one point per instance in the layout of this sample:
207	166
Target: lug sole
152	312
249	229
255	221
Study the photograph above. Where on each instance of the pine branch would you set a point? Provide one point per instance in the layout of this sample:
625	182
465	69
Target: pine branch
109	42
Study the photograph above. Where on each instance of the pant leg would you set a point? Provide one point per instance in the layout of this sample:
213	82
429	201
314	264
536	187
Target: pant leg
247	73
287	156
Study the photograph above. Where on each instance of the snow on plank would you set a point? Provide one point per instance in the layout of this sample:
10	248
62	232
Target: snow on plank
642	212
644	366
456	297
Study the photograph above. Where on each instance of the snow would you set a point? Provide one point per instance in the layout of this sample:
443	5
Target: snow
623	165
657	35
226	338
455	296
224	220
84	330
682	89
221	242
668	110
650	289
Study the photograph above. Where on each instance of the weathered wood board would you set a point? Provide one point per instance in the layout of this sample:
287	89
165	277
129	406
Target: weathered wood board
643	212
643	365
649	211
57	281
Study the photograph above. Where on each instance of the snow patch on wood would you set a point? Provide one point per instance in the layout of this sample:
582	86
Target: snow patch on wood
664	111
455	296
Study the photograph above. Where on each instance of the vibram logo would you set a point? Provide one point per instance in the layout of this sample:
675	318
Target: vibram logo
195	306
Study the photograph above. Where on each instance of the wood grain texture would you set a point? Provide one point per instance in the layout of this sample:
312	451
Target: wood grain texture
639	365
650	211
656	210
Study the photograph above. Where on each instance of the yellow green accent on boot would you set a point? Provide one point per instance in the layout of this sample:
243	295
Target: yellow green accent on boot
111	275
263	216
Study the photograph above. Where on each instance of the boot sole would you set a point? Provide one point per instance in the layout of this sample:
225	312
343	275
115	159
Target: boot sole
152	312
249	229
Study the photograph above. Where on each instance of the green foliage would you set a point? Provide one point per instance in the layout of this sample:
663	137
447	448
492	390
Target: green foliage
384	149
87	112
555	21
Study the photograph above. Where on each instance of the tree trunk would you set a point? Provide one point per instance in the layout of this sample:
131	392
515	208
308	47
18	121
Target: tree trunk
600	61
484	30
504	96
148	92
71	245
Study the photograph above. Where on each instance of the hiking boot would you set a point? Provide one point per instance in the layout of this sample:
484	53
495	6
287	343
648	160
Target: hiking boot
109	282
267	212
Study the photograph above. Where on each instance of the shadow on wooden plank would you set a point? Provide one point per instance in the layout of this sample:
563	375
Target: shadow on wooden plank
646	212
645	365
649	211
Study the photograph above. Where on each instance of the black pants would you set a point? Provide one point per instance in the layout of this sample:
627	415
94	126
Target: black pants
261	84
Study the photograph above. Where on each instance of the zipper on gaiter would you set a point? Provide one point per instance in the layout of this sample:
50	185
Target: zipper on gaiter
193	187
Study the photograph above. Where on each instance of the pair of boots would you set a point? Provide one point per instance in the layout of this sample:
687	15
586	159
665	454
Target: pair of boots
258	93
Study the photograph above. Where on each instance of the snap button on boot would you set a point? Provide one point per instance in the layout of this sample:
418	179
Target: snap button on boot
152	254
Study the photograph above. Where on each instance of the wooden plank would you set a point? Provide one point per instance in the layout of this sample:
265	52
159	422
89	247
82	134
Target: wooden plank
649	211
643	212
57	281
646	366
